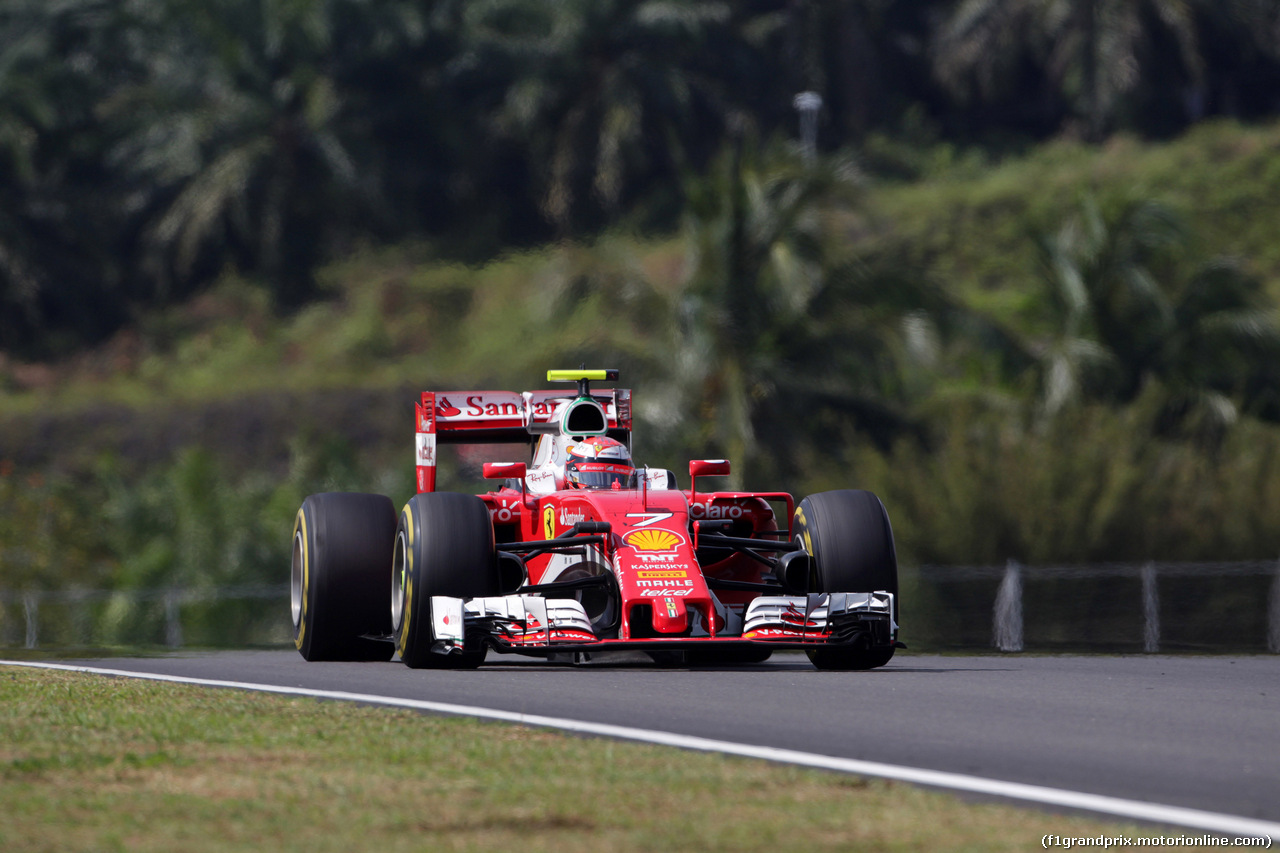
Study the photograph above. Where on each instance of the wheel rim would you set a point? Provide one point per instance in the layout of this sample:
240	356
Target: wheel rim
295	581
399	565
814	582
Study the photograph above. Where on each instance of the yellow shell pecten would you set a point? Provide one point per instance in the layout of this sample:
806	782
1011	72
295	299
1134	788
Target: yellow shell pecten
652	540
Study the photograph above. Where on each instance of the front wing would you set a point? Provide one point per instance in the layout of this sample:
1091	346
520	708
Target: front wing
533	625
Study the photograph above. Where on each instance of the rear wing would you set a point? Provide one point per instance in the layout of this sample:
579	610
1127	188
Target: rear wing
499	417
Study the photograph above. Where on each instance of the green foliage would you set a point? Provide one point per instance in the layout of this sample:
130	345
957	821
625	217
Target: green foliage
1092	485
1059	352
756	236
760	332
1091	51
149	147
48	538
197	524
1128	308
233	136
975	230
596	91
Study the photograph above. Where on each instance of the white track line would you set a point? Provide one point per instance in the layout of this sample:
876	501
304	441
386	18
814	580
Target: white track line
1131	809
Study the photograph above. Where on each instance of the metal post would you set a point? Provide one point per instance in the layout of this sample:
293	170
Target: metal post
31	609
1273	614
808	104
1007	618
79	617
1150	610
172	620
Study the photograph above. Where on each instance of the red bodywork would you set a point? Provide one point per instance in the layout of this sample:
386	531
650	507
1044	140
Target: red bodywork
652	545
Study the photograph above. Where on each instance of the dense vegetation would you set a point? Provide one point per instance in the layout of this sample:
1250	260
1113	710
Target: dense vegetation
146	146
1023	286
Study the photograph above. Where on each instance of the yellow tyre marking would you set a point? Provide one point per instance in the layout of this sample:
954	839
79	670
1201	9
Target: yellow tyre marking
406	581
803	524
301	524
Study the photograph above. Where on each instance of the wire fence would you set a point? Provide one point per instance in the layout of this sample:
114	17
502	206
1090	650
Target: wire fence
1103	607
246	615
1110	607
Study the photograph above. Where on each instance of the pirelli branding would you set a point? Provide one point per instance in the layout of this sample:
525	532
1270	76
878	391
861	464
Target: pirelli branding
666	574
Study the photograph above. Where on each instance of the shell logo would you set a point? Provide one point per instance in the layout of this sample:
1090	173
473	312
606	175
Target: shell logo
653	540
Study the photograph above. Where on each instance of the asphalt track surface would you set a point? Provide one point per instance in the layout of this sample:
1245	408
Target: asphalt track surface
1194	732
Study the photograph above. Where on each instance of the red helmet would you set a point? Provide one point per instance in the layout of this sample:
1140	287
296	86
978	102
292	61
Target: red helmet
598	463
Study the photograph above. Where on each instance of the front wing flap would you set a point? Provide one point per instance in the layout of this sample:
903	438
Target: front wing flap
520	621
834	617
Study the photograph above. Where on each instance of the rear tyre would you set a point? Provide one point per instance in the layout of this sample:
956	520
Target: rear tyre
849	536
338	580
443	546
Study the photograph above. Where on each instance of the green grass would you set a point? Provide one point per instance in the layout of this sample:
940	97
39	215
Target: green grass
96	763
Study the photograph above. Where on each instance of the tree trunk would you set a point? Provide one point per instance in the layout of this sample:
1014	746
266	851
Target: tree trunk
1094	120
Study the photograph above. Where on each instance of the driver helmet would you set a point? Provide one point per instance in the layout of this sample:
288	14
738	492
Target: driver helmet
598	463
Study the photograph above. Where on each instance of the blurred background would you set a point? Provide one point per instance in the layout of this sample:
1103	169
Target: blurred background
1011	264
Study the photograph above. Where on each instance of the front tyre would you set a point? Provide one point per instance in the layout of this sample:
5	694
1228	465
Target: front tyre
338	581
443	546
847	532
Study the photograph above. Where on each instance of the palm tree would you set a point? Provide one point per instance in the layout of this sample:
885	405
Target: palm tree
1071	361
599	94
237	143
57	275
780	339
1242	46
1095	284
857	54
1091	50
753	239
1218	354
1131	312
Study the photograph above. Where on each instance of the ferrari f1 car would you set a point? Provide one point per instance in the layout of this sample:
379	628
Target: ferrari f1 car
579	553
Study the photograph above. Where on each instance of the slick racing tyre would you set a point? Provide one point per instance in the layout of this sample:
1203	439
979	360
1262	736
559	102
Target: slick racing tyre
338	582
847	532
443	546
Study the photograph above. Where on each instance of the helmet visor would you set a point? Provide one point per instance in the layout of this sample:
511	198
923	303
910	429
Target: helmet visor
600	475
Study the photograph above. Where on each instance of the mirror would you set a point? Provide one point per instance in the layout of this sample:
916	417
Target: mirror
709	468
504	470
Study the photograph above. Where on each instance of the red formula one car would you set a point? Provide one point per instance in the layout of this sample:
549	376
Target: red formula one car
580	553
